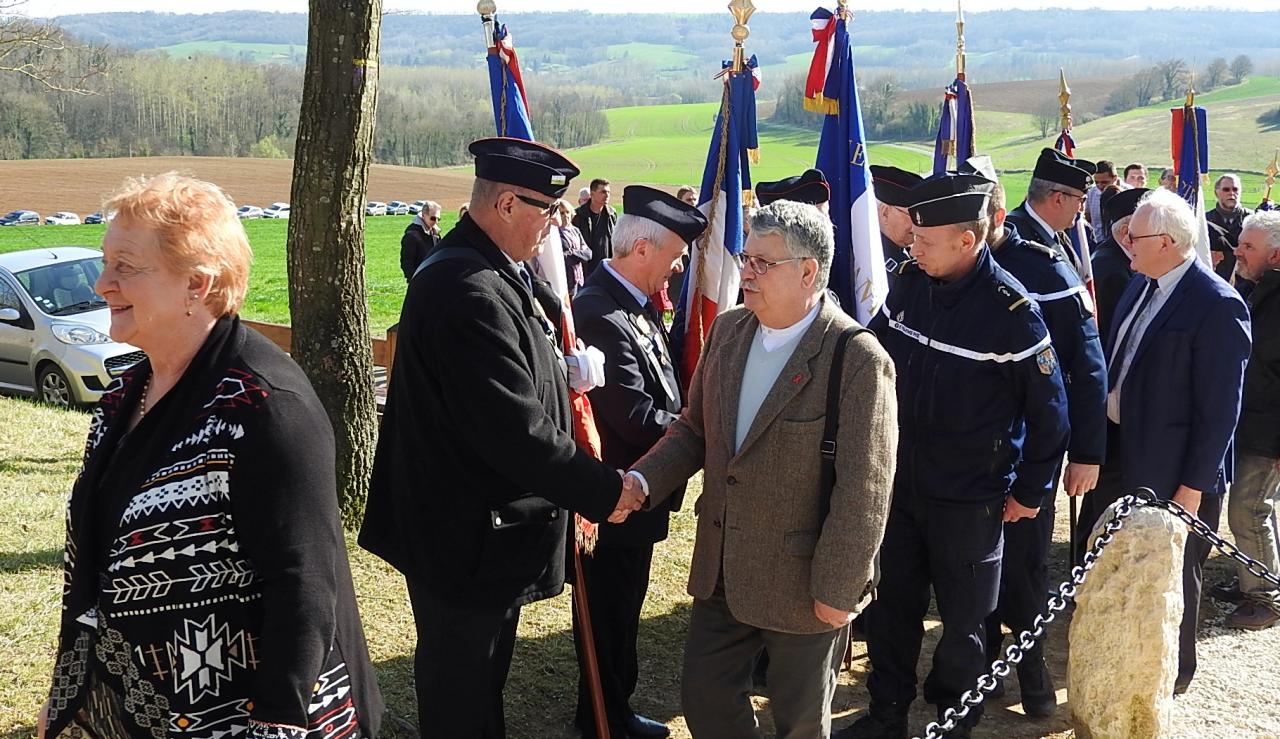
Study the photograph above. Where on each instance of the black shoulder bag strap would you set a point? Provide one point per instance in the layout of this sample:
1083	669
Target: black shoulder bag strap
453	252
827	474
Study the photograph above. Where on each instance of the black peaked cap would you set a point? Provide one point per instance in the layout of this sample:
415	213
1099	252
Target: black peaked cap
665	210
1123	203
523	163
1055	166
950	197
893	185
810	187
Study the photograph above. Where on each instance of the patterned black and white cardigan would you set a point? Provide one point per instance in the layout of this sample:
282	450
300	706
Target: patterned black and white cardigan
206	577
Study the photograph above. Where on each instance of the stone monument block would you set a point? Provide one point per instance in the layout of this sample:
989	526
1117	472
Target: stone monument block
1123	657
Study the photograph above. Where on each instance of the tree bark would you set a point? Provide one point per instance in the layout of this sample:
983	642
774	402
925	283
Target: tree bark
327	304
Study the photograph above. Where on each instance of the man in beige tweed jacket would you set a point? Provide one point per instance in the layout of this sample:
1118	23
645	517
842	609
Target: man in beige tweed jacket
767	571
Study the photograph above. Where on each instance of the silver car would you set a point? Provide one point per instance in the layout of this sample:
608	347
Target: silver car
54	341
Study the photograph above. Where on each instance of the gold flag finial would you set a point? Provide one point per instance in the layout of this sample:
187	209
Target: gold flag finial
487	9
1064	100
742	10
959	39
1191	90
1272	170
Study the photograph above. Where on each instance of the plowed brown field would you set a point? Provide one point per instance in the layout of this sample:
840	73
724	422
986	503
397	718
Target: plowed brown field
79	185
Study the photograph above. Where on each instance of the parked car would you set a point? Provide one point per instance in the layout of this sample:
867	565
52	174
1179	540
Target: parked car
416	207
397	208
276	210
54	340
374	208
247	212
21	218
62	218
95	217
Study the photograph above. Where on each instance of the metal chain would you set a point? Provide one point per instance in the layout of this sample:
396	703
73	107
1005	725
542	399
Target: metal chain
1067	592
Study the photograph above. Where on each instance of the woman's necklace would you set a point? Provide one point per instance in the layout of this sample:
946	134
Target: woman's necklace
142	404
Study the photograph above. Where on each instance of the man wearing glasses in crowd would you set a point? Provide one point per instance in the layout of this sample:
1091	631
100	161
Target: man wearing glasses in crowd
1055	197
420	238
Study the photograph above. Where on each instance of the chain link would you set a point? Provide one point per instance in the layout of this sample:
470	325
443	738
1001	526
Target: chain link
1067	592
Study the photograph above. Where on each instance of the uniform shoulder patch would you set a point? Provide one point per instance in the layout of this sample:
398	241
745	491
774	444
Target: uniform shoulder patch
1011	297
1046	361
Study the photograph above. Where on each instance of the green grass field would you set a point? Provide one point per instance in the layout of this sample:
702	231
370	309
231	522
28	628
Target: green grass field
667	145
268	298
662	56
236	50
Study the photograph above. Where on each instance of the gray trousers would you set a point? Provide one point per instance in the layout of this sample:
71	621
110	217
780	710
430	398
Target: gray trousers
1251	514
716	684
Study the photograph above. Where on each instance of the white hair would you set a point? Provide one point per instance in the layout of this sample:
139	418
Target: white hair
1268	222
584	192
1228	176
805	230
1170	215
1119	224
631	228
431	206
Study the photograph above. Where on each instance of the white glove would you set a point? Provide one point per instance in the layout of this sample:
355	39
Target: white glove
586	368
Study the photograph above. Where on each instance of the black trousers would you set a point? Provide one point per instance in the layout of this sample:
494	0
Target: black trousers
1111	487
460	665
1024	583
957	550
617	579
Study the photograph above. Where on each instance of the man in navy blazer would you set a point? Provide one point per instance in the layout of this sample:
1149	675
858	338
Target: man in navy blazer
1179	342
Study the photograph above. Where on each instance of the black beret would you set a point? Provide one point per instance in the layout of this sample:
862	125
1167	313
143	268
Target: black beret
523	163
893	185
810	187
1122	204
950	197
1055	166
665	210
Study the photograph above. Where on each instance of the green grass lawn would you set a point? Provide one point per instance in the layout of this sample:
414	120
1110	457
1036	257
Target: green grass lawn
661	56
268	298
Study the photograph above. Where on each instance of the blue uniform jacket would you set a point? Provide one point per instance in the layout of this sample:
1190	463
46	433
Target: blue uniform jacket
1068	313
982	408
1181	398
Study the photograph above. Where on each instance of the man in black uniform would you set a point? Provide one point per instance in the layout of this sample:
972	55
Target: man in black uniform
476	461
968	461
1068	314
892	186
1055	198
1111	263
641	397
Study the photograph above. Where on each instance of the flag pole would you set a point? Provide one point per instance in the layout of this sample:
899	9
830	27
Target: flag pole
960	59
1271	171
1064	120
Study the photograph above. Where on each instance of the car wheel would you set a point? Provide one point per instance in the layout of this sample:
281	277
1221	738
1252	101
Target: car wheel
52	387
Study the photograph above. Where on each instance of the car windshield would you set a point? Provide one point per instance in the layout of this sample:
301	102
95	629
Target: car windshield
66	288
14	215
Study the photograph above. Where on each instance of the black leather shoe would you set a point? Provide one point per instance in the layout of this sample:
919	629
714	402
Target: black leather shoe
642	727
876	725
1227	592
1039	698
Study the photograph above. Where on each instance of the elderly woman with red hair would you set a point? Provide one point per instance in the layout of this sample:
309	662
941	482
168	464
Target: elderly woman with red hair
207	591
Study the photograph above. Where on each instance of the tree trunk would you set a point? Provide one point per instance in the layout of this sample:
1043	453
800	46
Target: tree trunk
326	232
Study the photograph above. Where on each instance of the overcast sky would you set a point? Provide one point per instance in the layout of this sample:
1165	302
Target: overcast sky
68	7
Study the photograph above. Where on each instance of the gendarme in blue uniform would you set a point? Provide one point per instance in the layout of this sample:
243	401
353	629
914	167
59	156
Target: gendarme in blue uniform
980	392
982	416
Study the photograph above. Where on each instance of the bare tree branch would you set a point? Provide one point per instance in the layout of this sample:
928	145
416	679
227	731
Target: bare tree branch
42	52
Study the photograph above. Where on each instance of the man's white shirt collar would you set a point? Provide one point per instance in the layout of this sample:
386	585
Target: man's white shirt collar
772	338
1038	219
1170	279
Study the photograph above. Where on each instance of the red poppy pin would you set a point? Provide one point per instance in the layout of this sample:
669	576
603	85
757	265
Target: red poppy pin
797	379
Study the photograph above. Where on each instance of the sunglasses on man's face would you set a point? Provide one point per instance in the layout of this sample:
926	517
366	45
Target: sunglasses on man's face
548	209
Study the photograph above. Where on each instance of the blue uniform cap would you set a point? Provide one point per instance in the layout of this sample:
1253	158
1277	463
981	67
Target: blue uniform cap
950	197
665	210
526	164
